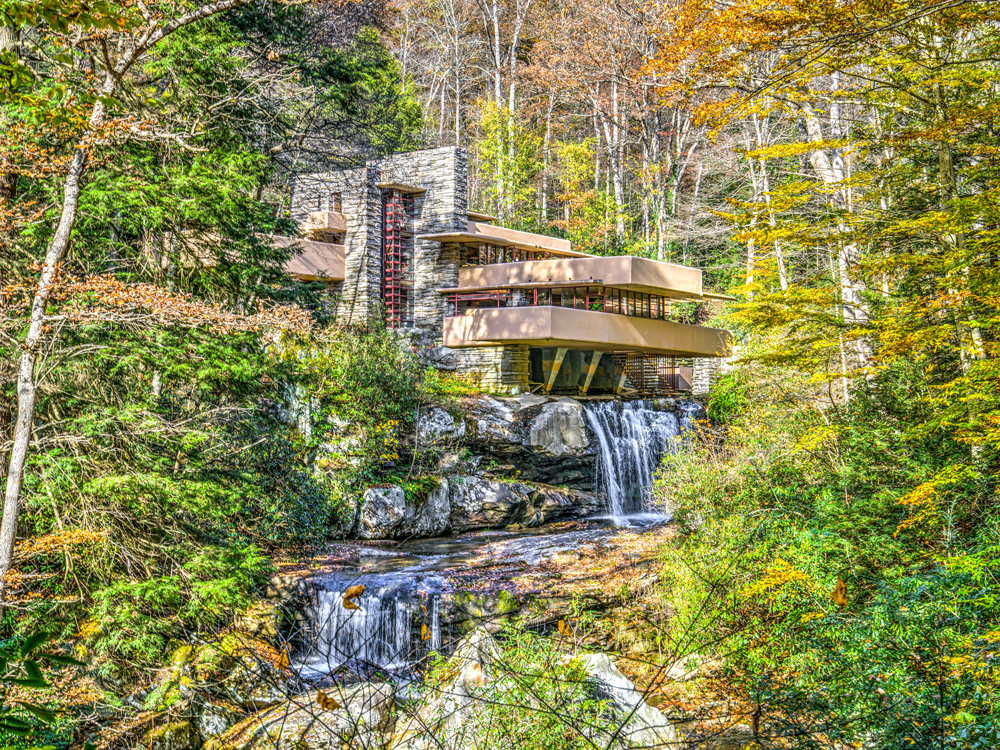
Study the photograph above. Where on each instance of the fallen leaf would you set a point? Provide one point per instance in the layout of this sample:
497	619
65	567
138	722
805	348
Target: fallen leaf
326	702
351	594
354	591
839	595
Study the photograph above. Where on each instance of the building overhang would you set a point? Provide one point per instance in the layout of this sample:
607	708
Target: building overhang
315	261
479	234
623	272
325	221
401	187
571	328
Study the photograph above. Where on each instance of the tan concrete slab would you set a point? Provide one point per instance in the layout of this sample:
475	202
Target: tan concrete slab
583	329
325	221
623	271
479	237
316	261
515	235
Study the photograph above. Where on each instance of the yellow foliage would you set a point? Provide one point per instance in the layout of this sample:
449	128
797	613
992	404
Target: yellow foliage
776	580
922	500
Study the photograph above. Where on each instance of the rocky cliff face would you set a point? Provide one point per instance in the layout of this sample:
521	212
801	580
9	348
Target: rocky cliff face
543	439
526	460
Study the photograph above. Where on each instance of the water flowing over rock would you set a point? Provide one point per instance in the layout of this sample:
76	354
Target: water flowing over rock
385	631
632	437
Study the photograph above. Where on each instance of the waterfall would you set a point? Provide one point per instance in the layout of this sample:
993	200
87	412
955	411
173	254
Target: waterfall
385	632
632	437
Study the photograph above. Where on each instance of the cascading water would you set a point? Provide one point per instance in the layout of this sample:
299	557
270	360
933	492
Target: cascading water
385	632
632	437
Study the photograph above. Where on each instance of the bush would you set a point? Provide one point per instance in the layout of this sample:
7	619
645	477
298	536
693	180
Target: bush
798	493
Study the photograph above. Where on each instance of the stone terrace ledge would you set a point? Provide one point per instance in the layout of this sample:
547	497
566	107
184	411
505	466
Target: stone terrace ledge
583	329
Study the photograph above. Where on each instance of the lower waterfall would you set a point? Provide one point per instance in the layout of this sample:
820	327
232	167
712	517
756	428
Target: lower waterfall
632	437
386	631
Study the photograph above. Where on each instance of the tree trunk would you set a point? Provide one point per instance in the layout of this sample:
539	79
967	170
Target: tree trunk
34	339
547	162
26	388
8	179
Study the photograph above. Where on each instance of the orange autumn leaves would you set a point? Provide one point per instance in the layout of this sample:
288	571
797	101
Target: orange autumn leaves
101	298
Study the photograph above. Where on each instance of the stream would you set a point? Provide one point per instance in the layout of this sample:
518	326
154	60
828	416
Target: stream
417	592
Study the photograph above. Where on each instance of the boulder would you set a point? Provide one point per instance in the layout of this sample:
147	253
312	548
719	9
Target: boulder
437	425
645	726
559	428
443	717
544	439
480	612
428	517
360	716
494	420
478	503
381	512
439	357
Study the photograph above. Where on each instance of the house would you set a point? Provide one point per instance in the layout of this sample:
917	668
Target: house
520	311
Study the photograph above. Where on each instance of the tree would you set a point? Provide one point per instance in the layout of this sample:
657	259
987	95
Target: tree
125	37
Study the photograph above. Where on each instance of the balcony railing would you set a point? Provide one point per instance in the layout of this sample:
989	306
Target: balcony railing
593	298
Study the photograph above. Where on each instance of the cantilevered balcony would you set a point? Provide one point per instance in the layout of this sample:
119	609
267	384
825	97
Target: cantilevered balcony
325	226
572	328
680	283
315	261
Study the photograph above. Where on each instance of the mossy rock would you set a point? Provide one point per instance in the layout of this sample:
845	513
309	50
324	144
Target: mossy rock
363	719
174	735
483	609
239	668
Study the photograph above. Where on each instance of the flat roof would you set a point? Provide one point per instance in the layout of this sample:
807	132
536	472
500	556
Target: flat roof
475	238
485	218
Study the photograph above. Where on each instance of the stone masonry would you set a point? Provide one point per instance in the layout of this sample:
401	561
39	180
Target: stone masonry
442	173
502	368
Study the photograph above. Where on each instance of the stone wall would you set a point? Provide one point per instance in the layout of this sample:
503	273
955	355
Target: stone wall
443	207
361	290
706	372
501	368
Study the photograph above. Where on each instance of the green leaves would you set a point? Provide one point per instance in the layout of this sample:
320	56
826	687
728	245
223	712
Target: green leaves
20	666
61	15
